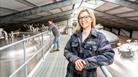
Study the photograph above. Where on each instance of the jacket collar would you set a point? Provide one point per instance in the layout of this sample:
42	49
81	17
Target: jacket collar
92	33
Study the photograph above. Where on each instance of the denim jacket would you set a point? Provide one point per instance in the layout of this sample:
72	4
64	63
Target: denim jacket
95	50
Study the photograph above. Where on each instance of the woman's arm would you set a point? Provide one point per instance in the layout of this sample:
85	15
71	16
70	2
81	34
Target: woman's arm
70	56
104	54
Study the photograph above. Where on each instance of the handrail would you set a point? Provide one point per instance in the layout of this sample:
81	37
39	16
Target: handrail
105	71
27	61
103	68
24	49
6	46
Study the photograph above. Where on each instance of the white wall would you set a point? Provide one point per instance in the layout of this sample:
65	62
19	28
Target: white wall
135	35
115	31
62	23
124	33
105	28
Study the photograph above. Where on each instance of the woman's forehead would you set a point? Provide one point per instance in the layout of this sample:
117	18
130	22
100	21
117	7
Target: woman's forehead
84	13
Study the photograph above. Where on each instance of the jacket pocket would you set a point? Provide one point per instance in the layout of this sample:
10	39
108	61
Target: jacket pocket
91	47
74	44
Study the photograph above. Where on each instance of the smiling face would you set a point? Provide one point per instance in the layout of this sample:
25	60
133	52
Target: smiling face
85	20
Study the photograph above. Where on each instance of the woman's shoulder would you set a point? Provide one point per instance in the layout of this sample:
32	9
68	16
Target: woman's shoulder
96	33
100	35
76	34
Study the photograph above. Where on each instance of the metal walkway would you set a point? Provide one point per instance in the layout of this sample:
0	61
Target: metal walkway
54	65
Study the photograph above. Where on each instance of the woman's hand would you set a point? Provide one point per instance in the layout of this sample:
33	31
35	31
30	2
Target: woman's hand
80	64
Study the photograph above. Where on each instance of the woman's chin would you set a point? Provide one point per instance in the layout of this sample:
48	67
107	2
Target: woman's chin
85	26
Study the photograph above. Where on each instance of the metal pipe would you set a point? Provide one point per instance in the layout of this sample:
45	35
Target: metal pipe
24	51
105	71
42	45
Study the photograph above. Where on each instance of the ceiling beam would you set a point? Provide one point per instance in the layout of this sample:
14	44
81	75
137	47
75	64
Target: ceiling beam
54	16
115	24
3	8
124	3
107	22
26	3
57	19
36	10
129	22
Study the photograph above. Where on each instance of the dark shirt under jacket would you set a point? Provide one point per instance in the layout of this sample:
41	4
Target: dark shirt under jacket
95	50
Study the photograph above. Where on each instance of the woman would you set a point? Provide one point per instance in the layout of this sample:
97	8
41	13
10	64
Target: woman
87	49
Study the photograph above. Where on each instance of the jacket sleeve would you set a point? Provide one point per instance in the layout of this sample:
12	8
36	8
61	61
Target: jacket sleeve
104	54
70	56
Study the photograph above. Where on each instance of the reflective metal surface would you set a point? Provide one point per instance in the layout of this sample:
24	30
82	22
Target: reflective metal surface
124	67
128	49
13	57
111	37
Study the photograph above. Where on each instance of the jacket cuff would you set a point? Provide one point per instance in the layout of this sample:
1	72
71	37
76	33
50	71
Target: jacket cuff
73	59
90	64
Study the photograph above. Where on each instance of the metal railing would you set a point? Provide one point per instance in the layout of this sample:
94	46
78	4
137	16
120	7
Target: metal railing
103	68
105	71
26	61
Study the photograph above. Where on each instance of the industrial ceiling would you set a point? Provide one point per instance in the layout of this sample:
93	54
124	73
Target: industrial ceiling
110	13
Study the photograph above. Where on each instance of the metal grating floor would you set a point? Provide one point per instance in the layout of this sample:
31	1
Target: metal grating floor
54	65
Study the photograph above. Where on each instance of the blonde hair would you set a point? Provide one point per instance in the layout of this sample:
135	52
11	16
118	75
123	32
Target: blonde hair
91	13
